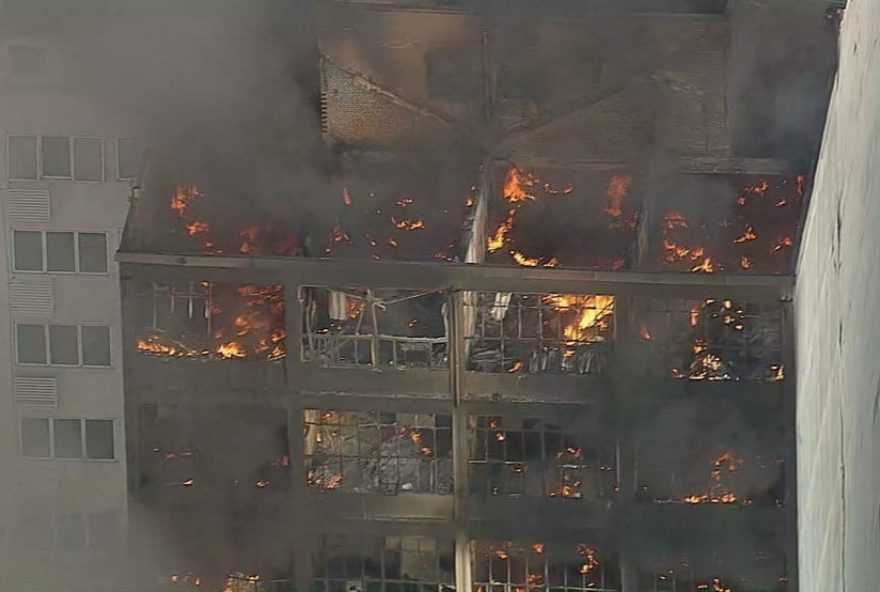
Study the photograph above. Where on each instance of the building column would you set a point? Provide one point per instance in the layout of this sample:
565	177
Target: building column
457	362
299	512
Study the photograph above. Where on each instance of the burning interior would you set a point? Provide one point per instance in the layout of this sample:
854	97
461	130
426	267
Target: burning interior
388	453
580	321
509	566
531	457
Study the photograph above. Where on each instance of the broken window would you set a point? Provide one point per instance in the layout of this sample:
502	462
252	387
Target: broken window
212	320
22	157
700	451
362	564
378	328
512	566
539	333
519	457
381	452
711	339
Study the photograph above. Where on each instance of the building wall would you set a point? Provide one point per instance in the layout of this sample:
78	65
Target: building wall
839	328
46	104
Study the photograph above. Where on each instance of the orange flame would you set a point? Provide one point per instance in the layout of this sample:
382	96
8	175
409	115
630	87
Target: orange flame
646	333
673	220
499	237
408	224
748	235
593	314
590	560
197	226
346	196
705	266
715	495
618	186
182	196
517	184
783	242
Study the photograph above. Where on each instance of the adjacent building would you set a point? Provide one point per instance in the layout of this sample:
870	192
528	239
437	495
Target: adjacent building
65	177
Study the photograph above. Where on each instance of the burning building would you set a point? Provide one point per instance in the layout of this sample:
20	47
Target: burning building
532	331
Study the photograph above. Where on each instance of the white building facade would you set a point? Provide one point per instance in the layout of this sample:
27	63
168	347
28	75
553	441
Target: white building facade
65	180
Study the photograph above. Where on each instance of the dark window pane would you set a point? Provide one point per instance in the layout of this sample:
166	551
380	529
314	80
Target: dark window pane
31	344
22	157
130	158
63	345
96	346
70	530
35	437
28	61
99	438
92	252
59	251
102	531
88	159
68	438
56	157
28	247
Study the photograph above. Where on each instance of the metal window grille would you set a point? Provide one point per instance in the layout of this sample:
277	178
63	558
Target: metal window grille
381	452
713	339
531	457
376	328
514	567
547	333
380	564
207	319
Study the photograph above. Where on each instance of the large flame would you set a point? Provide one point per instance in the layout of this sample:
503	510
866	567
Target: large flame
593	315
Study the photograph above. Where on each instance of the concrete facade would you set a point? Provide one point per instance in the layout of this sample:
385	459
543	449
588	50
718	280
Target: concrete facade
64	517
839	327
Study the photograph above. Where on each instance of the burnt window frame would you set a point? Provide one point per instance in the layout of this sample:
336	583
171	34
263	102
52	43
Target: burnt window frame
577	459
377	572
588	356
553	560
383	426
